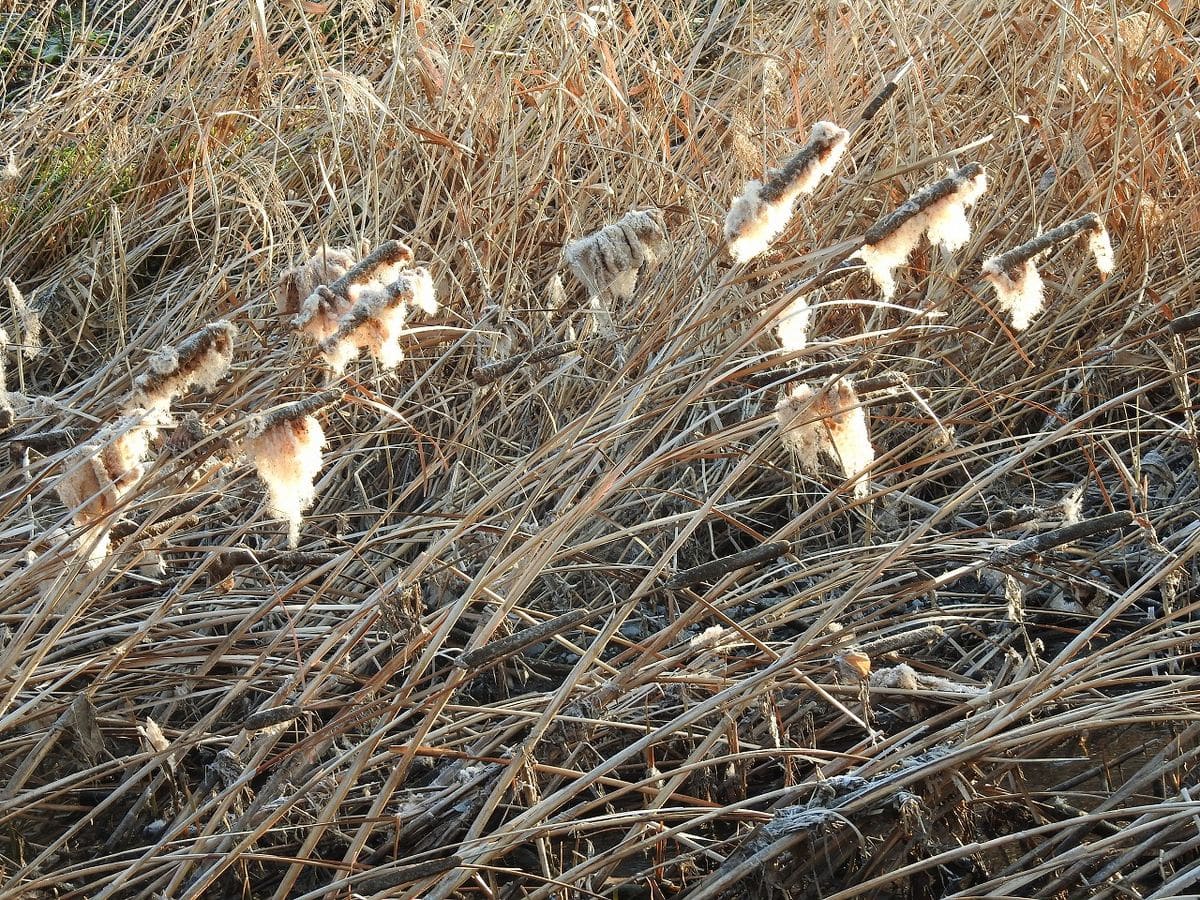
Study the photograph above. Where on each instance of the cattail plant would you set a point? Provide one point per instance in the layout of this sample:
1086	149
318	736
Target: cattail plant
764	209
377	319
829	422
97	475
285	448
326	265
1015	277
937	211
608	261
200	361
367	307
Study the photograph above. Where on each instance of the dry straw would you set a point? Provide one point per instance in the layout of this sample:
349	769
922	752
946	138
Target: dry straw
764	208
1014	274
937	211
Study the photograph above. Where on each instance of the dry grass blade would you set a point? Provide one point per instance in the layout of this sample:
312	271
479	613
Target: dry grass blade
564	615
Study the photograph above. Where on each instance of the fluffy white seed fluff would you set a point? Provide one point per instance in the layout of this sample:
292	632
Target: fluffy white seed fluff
608	261
763	210
325	266
884	257
828	423
201	362
752	224
88	493
792	325
1019	292
944	222
378	319
1101	249
947	224
287	456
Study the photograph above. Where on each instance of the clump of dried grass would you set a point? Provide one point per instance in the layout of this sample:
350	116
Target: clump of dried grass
571	601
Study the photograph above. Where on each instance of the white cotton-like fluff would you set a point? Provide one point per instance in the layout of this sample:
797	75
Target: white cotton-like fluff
201	362
125	445
378	319
947	224
325	266
763	209
90	496
752	224
319	315
944	222
904	677
608	260
801	428
792	325
1018	293
1101	249
883	258
287	456
831	423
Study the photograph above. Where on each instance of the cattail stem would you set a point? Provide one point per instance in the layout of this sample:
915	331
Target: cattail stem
475	659
902	641
1048	540
1011	260
407	874
921	201
714	569
490	372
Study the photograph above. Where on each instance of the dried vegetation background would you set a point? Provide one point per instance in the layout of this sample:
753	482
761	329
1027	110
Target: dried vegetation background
916	686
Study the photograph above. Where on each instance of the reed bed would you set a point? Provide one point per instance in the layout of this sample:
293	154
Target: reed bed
543	596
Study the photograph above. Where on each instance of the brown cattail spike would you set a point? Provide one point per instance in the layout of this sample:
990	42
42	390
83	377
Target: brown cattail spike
200	361
764	209
937	211
326	265
1014	275
377	320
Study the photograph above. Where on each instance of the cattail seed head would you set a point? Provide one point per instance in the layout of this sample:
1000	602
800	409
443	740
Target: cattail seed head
1014	275
830	423
200	361
285	449
608	261
377	319
763	210
792	325
324	267
937	211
